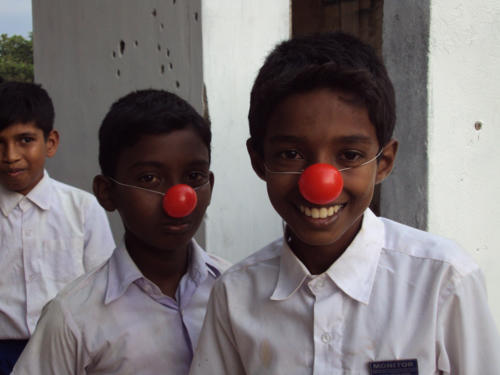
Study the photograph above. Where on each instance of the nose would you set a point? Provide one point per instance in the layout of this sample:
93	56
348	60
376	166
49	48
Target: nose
180	200
321	183
10	153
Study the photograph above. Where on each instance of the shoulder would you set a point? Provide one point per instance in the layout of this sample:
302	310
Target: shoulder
257	267
87	290
220	264
406	242
72	194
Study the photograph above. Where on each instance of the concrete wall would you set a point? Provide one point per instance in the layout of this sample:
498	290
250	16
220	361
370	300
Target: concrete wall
405	47
237	35
463	88
88	54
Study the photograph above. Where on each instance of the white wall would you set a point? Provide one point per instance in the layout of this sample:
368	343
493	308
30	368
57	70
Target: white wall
237	35
89	53
464	163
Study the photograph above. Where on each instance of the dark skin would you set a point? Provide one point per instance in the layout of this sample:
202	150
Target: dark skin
163	269
158	243
322	126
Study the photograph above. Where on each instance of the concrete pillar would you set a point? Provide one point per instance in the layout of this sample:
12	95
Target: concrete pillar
443	56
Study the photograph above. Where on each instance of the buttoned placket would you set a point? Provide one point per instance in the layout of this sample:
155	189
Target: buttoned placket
177	305
328	321
30	250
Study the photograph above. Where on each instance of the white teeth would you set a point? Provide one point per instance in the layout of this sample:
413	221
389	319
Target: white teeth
323	212
320	213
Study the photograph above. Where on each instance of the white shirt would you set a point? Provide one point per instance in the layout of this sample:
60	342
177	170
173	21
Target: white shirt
396	293
115	321
47	238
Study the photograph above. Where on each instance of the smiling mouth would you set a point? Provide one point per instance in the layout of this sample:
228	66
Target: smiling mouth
14	172
321	212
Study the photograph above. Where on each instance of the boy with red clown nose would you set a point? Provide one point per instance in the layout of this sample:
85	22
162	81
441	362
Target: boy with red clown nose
344	291
140	312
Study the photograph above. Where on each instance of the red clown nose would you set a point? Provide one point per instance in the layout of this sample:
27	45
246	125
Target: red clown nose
321	183
180	200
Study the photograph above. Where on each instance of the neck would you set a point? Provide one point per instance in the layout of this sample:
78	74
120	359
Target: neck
318	258
163	267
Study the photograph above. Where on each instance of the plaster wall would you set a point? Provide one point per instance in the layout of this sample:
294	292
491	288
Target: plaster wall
237	35
464	56
88	54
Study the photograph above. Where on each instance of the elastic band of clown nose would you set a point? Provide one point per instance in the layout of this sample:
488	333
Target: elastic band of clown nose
321	183
180	200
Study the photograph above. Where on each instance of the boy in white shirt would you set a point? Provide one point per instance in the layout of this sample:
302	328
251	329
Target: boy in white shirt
343	292
142	311
50	232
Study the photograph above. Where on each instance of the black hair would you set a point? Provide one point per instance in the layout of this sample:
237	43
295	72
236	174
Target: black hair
23	102
145	112
337	61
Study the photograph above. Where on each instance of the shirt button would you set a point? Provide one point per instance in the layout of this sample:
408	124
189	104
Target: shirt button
326	337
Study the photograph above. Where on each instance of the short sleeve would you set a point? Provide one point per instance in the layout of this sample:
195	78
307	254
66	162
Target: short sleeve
55	347
216	352
468	340
99	242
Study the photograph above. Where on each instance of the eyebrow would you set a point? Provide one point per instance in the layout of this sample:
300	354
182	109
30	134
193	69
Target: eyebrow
150	163
27	134
350	139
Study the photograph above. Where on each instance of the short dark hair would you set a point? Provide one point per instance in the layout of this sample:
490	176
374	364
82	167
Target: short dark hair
145	112
23	102
337	61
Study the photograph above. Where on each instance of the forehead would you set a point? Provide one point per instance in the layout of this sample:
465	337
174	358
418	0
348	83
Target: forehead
169	150
320	116
19	128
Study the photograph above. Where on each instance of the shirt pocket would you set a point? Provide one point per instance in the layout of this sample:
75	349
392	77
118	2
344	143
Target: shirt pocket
62	260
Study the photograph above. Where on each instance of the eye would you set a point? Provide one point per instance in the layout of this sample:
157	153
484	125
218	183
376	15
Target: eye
196	178
351	156
148	179
27	139
290	155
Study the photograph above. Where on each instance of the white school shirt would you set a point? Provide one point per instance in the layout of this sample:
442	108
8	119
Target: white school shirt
47	238
396	293
115	321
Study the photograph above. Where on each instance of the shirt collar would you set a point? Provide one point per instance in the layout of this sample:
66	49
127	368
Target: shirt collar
123	271
39	195
354	272
201	265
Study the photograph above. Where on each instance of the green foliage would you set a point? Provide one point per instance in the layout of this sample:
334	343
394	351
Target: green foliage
16	58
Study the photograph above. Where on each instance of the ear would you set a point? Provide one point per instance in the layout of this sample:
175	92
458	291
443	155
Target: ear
102	190
51	143
256	159
386	160
211	181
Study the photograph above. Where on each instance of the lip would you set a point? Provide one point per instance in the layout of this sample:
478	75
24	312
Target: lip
13	172
176	227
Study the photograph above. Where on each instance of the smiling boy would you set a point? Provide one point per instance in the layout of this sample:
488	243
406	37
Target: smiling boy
343	292
50	232
142	311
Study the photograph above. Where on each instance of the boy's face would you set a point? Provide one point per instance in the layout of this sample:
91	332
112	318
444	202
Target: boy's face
23	149
321	127
157	162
